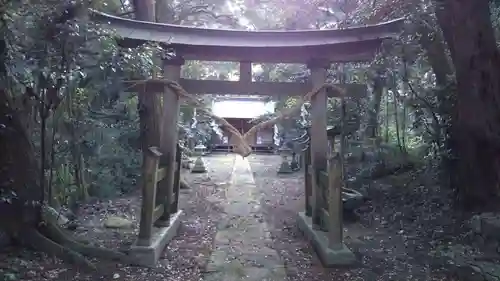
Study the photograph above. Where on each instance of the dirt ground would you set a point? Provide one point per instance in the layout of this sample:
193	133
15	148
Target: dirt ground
183	259
394	238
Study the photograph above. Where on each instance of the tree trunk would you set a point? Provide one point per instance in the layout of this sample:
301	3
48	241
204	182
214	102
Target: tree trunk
475	132
149	103
386	136
20	190
21	197
372	124
396	117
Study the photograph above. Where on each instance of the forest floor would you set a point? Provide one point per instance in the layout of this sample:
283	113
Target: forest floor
184	258
395	238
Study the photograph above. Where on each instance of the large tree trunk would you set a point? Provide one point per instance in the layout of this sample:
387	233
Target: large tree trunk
475	132
20	191
22	214
149	103
21	197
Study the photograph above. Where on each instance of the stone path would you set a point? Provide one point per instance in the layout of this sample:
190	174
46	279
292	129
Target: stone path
242	249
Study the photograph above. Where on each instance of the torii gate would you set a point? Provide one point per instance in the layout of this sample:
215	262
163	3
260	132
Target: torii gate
315	48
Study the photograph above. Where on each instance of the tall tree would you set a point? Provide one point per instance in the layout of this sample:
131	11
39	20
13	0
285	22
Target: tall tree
475	131
21	191
149	107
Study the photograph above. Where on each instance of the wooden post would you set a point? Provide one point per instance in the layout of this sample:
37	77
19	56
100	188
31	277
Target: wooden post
342	139
245	71
319	139
335	184
316	209
171	106
151	159
177	179
308	180
334	205
342	148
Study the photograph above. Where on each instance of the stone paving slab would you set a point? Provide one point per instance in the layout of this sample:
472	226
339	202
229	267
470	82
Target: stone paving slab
242	245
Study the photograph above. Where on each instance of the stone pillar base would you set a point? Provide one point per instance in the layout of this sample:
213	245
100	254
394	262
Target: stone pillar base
285	168
148	256
319	239
199	166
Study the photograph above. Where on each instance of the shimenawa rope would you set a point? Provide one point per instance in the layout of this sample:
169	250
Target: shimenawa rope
242	147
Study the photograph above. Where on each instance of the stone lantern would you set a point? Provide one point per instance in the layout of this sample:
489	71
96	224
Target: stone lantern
285	153
199	164
294	164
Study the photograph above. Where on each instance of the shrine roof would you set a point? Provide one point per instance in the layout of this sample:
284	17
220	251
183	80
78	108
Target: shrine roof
297	46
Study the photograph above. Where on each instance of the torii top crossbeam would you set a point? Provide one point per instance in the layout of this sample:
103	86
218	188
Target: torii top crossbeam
302	46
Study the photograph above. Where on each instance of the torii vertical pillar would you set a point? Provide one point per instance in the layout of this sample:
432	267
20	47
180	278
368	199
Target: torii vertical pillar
319	139
148	254
331	252
169	139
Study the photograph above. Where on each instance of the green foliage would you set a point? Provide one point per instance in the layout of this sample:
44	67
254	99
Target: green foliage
83	126
72	69
495	18
65	191
87	133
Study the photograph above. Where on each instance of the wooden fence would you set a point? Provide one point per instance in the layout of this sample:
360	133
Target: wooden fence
328	185
156	209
